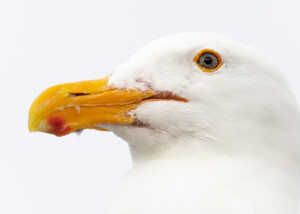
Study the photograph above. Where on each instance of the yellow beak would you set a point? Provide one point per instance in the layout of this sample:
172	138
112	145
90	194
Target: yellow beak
65	108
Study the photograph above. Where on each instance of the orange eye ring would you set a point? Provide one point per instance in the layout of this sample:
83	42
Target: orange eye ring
211	52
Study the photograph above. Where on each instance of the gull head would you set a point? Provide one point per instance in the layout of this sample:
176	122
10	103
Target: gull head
197	90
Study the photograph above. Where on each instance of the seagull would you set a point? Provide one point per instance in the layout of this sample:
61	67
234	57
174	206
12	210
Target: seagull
211	124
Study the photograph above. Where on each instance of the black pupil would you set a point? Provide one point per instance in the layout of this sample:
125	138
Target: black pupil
208	60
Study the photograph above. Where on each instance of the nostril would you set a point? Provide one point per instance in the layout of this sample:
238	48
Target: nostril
78	94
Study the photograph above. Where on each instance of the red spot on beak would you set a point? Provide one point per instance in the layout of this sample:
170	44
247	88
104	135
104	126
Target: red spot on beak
58	126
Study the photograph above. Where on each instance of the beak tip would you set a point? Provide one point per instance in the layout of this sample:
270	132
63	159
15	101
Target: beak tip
52	125
31	128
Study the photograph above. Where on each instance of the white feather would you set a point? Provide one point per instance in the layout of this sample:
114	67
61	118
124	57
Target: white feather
232	148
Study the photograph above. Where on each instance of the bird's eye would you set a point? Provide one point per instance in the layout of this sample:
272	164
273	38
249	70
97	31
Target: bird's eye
208	60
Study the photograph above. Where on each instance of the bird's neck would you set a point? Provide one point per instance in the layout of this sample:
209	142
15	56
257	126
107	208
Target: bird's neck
174	149
260	181
222	184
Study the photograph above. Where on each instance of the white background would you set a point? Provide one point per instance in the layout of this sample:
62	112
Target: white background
43	43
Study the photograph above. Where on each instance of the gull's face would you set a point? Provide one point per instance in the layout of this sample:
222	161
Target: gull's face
178	85
237	87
